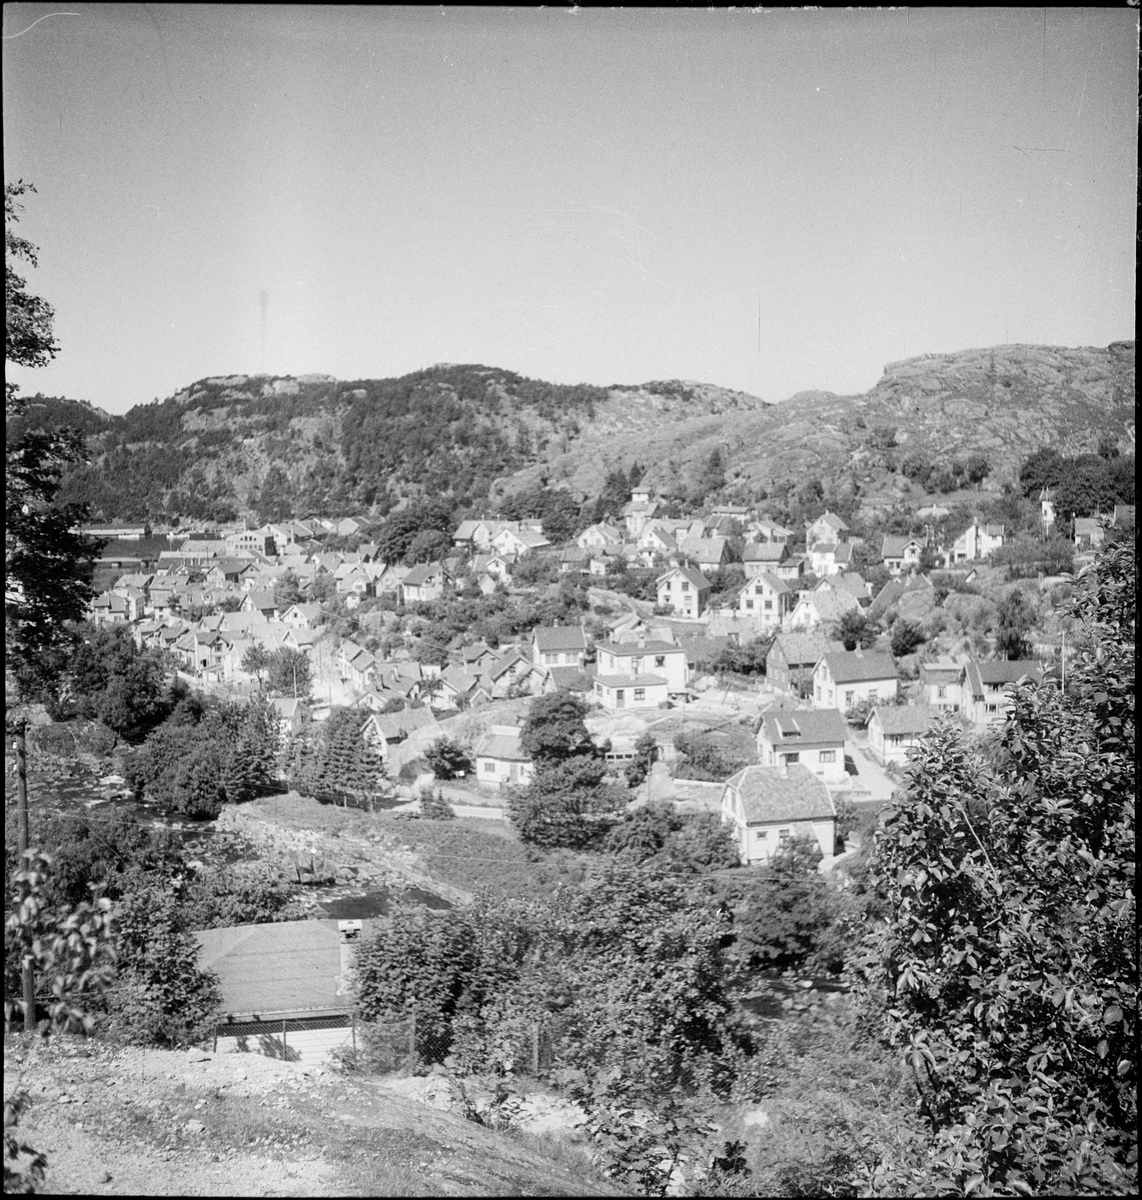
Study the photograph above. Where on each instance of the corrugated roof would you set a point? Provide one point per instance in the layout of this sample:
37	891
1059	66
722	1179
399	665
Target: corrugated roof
289	966
772	794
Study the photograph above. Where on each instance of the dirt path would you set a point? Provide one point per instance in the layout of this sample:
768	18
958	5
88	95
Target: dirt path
126	1122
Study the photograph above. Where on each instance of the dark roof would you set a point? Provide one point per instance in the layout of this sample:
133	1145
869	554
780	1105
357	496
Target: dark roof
560	637
1001	671
772	794
804	648
859	666
803	727
569	679
503	746
764	552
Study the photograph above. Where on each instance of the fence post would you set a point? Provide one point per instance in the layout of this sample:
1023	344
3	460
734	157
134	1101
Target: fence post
353	1028
535	1049
285	1054
215	1039
412	1040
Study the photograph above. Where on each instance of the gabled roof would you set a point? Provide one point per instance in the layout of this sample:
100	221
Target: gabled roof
803	727
398	725
999	672
859	666
828	518
904	718
765	552
830	605
502	742
770	580
691	574
804	648
703	548
423	574
893	545
941	671
771	795
560	637
261	600
569	679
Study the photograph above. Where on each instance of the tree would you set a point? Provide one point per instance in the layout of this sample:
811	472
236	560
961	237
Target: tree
117	682
1007	973
555	730
256	660
566	803
906	636
1012	626
288	673
645	756
429	545
29	337
448	759
1042	469
854	630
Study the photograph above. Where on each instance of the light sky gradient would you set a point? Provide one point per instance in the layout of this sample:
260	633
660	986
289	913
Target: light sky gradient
770	201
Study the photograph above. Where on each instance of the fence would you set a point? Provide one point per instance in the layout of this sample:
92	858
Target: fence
294	1039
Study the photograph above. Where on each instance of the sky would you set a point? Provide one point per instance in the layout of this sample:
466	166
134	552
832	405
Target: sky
769	201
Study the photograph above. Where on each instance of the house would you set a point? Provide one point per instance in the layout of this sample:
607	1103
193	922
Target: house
1090	533
770	806
513	675
516	542
683	590
792	657
826	528
262	603
901	553
291	716
847	581
940	684
820	609
458	688
600	536
387	731
706	553
893	729
255	541
110	609
766	598
559	646
895	589
814	738
568	679
284	986
302	616
501	759
1047	508
763	556
631	691
976	542
846	678
830	558
984	688
638	511
764	530
423	584
644	657
791	567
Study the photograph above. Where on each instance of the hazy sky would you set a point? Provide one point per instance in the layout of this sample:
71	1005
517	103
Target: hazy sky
771	201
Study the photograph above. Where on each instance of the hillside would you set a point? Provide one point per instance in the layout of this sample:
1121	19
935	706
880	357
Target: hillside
265	447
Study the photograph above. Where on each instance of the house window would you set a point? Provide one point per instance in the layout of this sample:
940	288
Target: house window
758	589
849	699
768	605
783	836
749	604
640	693
660	660
792	756
828	756
685	586
489	767
761	834
941	692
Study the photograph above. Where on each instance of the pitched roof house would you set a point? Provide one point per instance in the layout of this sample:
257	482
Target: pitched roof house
792	657
893	729
901	553
815	738
846	678
683	590
985	688
501	759
770	806
817	610
559	646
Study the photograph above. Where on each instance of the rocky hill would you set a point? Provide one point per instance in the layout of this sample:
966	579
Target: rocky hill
261	447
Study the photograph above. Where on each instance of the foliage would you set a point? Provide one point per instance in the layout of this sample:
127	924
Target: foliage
1008	972
1013	623
747	658
645	756
854	630
336	759
115	681
555	729
434	806
1084	484
906	637
243	893
707	756
658	835
289	673
449	759
1025	556
567	803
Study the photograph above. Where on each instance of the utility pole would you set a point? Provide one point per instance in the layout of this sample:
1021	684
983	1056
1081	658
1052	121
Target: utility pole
22	834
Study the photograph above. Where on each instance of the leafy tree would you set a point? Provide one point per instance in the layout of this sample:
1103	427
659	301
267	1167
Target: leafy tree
448	759
243	893
1013	623
1042	469
289	673
1007	973
645	755
256	660
117	682
746	659
566	804
429	545
906	637
707	757
555	730
854	630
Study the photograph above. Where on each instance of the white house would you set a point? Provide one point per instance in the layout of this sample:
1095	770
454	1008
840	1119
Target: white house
645	657
767	599
630	691
901	553
845	678
893	729
815	610
984	688
976	542
769	806
559	646
813	738
601	536
684	590
638	511
826	528
501	759
940	684
763	556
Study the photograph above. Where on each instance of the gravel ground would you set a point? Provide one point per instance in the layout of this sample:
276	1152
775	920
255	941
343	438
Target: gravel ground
130	1122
